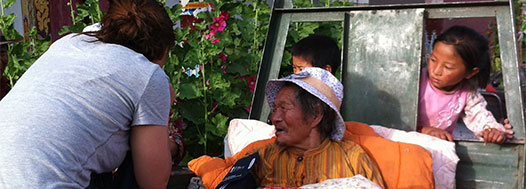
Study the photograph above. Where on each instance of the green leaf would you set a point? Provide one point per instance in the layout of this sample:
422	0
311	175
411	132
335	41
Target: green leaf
219	125
189	91
226	98
237	68
230	6
216	82
8	4
10	18
192	110
206	16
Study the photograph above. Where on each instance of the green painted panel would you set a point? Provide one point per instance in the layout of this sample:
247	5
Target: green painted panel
480	176
318	17
381	68
510	70
271	59
488	165
461	12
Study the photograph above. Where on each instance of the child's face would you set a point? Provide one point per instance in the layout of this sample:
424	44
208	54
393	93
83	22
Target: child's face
299	64
446	68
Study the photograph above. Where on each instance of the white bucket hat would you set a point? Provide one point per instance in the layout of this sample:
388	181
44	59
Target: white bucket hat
318	82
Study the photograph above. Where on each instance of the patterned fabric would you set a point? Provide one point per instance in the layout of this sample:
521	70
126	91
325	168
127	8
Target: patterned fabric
477	117
175	134
441	109
357	181
279	167
274	86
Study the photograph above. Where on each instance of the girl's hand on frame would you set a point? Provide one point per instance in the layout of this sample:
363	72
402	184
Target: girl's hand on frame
493	135
508	132
436	132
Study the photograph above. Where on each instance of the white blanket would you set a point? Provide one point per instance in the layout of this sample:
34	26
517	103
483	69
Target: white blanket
442	152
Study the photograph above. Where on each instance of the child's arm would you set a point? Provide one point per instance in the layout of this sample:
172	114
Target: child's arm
436	132
481	121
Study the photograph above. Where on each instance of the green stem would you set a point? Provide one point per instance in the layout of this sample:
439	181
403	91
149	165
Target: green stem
10	77
72	11
99	13
255	42
205	106
2	4
205	136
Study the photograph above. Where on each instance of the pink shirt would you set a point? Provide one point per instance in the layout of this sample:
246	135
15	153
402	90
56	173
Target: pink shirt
442	109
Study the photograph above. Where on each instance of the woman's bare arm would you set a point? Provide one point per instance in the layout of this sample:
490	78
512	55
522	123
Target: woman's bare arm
151	156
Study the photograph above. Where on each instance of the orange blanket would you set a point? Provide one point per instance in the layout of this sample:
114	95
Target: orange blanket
402	165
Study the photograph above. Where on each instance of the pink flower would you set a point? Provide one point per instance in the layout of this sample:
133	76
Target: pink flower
223	66
224	15
218	25
207	82
210	35
247	109
251	81
223	58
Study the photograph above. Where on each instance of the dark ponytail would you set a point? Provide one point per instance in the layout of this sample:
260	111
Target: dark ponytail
141	25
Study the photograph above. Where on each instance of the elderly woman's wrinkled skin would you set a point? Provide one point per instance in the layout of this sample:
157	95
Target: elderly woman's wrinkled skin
291	128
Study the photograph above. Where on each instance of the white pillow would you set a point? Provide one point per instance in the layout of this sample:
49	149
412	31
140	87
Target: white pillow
242	132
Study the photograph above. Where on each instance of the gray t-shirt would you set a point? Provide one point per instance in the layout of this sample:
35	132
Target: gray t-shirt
70	114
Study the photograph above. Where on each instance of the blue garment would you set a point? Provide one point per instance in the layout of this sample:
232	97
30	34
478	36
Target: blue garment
71	112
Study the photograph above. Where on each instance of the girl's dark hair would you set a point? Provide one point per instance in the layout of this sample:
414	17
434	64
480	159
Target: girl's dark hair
319	50
141	25
472	48
311	105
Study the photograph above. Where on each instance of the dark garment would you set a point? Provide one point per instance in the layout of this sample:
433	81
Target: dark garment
239	176
4	87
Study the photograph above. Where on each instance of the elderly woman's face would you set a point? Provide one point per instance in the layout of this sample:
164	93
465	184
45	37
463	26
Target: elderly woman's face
288	119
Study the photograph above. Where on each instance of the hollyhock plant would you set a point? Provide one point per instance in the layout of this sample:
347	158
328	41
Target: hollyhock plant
218	25
221	92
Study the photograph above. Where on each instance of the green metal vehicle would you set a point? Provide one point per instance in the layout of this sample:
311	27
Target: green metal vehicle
383	46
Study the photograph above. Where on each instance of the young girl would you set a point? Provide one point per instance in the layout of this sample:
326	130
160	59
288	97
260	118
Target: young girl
458	66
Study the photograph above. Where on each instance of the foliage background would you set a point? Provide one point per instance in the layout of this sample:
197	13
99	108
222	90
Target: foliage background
213	68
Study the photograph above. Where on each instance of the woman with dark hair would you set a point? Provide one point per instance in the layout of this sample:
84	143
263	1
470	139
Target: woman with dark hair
88	100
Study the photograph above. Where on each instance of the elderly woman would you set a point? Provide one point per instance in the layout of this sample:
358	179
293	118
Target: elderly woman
309	128
308	147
